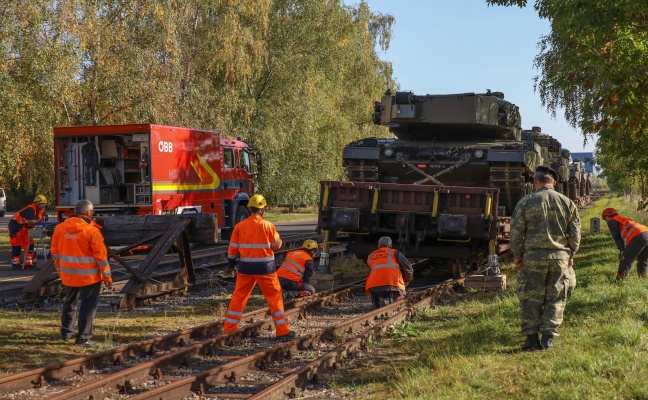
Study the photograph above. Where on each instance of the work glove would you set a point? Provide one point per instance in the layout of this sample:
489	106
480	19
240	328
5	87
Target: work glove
231	266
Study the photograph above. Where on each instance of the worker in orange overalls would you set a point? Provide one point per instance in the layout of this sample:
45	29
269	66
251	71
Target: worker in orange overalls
631	239
254	241
19	226
81	261
390	272
295	272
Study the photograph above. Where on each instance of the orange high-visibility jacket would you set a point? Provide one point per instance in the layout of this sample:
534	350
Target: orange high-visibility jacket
294	265
629	228
79	252
384	269
254	240
19	220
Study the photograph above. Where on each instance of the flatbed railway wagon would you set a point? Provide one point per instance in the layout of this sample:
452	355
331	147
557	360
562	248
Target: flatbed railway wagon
458	226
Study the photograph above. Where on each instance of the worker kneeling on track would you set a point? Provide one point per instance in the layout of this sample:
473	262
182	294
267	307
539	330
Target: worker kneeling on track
390	272
296	270
254	241
19	227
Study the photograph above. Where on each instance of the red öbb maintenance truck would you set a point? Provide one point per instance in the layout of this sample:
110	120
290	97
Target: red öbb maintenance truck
153	169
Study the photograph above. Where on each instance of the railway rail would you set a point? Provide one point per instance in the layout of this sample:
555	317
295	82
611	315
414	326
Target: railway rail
248	363
207	262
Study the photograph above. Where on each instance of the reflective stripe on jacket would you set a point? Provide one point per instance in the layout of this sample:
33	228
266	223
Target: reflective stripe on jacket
294	266
254	240
629	228
79	252
384	269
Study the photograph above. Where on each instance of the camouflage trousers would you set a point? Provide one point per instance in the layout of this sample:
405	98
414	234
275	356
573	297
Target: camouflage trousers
543	287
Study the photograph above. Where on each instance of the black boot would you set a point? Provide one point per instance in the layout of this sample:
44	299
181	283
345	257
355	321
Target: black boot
532	343
547	341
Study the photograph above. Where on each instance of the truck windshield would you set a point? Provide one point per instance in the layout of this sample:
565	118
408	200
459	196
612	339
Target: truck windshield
245	161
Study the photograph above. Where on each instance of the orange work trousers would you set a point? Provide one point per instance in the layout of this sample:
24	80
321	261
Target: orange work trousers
22	240
271	289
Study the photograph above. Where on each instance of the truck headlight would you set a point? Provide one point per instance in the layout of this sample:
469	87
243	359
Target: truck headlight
479	153
389	152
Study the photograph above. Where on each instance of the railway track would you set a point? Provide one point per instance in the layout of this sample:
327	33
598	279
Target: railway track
247	363
207	263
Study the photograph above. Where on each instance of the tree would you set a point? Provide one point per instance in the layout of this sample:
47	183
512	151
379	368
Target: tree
294	78
593	64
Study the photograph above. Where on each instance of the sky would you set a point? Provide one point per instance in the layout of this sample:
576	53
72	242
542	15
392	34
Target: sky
459	46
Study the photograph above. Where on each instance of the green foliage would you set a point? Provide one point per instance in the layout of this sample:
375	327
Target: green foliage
402	332
594	66
296	79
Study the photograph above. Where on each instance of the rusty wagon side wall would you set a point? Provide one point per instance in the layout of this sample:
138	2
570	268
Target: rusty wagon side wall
422	220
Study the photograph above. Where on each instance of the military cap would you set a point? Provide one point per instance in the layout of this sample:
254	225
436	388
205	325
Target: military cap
547	170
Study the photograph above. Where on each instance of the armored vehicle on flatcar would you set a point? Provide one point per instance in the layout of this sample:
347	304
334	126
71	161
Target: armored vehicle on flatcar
553	154
462	139
444	188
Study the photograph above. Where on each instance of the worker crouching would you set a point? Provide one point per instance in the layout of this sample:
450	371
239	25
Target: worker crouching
390	272
296	270
19	227
254	241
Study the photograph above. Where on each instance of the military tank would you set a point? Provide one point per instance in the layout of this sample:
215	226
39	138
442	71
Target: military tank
580	183
553	155
465	139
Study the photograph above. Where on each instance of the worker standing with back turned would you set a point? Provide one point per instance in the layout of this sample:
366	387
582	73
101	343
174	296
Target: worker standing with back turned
631	239
254	241
19	227
81	261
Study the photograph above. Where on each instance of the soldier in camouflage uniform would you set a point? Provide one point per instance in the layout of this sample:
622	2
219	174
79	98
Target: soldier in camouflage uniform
545	235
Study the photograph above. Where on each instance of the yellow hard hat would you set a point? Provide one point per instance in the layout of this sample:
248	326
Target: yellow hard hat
40	199
310	245
257	201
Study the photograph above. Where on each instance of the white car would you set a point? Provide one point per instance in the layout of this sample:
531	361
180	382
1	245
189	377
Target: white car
3	203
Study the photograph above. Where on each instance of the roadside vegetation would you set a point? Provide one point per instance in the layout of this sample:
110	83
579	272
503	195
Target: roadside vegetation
465	348
469	348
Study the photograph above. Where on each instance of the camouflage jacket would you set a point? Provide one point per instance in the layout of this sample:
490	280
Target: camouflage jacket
545	225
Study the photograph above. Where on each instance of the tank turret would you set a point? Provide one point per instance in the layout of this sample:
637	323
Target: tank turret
464	139
485	116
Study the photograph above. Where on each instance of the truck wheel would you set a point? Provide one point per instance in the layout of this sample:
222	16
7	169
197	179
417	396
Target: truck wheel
241	214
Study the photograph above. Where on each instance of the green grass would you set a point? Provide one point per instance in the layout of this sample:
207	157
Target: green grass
469	349
283	214
4	241
465	349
